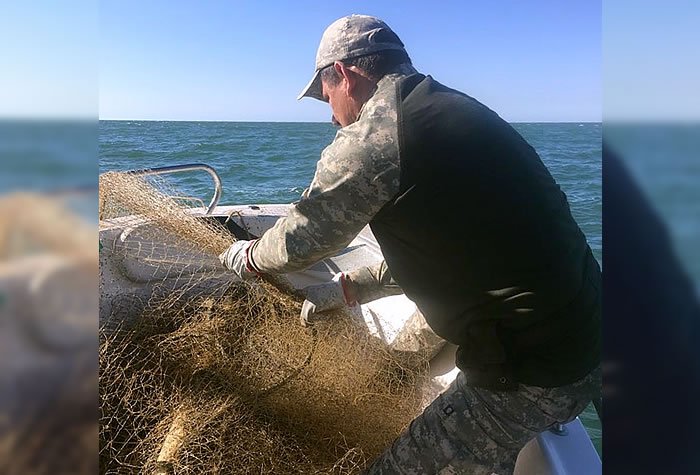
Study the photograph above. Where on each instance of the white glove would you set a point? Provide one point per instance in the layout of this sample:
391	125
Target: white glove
323	297
236	258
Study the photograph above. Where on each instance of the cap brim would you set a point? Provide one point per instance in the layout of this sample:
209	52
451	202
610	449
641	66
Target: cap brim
314	88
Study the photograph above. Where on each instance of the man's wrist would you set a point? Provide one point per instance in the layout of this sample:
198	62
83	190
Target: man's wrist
249	261
349	290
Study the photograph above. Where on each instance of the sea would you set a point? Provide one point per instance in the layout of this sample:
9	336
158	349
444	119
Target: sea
273	162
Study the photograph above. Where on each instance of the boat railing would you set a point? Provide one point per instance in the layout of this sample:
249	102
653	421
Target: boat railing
185	168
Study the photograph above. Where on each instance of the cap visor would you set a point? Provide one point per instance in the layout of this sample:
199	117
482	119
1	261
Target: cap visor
313	89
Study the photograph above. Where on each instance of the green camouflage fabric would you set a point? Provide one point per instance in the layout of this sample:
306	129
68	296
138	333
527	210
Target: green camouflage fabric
357	174
418	338
469	430
372	282
375	282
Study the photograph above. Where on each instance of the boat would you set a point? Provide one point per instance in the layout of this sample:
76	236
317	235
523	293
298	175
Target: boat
127	280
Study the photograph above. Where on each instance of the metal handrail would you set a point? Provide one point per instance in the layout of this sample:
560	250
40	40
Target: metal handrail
185	199
184	168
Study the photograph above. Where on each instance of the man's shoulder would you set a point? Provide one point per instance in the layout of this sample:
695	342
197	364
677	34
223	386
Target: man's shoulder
385	102
362	144
376	130
367	148
373	135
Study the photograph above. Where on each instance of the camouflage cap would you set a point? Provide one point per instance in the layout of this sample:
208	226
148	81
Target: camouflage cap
349	37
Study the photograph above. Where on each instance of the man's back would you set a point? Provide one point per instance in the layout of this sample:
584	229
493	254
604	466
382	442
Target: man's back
482	239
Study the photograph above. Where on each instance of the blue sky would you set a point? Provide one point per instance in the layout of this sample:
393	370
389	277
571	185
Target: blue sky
48	59
651	60
233	60
229	60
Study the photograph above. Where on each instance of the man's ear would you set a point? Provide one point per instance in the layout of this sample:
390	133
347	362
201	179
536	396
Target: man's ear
346	74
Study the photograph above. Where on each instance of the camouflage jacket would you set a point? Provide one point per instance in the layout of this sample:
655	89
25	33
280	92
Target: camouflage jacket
358	173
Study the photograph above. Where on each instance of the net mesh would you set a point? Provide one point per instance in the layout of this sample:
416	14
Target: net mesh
217	376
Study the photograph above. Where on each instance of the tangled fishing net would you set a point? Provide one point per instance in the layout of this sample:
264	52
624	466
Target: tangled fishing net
225	380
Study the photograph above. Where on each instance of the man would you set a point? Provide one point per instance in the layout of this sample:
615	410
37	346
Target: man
474	230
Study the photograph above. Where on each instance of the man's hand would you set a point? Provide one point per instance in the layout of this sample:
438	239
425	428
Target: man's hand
236	258
323	297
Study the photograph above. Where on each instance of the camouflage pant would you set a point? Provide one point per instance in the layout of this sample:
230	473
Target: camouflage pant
470	430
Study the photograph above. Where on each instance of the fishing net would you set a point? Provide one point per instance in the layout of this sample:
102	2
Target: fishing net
218	376
135	199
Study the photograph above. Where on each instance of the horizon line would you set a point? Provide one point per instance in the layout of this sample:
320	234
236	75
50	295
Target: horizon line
328	122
